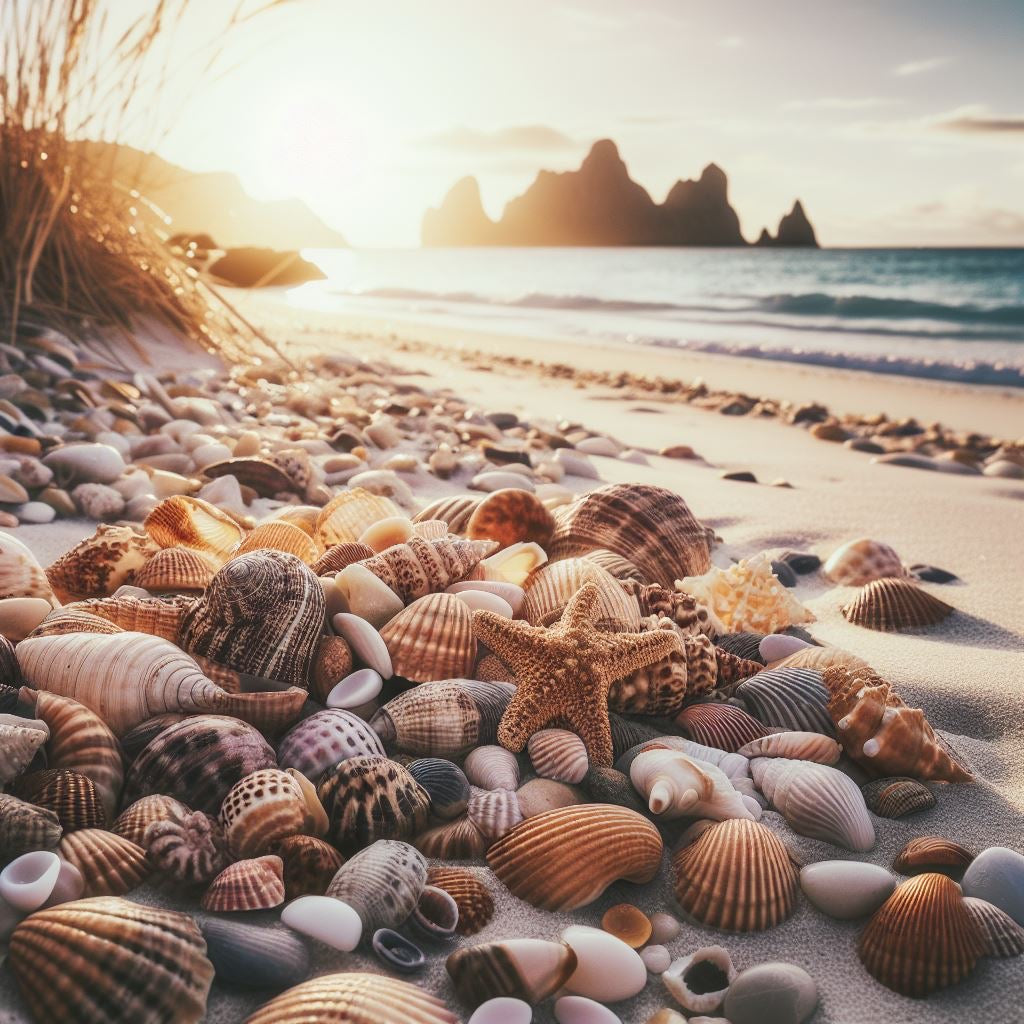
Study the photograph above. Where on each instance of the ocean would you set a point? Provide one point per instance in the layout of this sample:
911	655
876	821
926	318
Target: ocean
948	314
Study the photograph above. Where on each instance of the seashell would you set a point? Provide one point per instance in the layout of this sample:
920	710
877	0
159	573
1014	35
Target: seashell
455	511
473	898
371	798
132	963
650	526
432	639
302	516
135	740
458	839
397	952
922	938
776	646
354	998
511	593
20	738
420	567
728	668
361	593
932	853
621	568
19	616
150	615
509	516
309	864
861	561
895	605
133	821
790	698
109	864
607	969
492	767
71	796
25	827
658	689
734	766
821	658
1002	935
198	759
552	586
796	745
527	969
385	532
177	570
256	884
628	924
700	981
348	514
340	556
332	662
445	783
565	858
277	535
10	674
325	739
253	957
98	565
720	725
27	881
190	849
71	619
494	812
261	475
816	801
747	597
675	785
183	521
381	883
435	916
267	805
743	645
365	642
513	564
736	876
628	733
558	754
482	600
896	797
21	575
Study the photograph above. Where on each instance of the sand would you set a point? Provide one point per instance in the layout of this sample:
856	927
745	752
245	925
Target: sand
965	673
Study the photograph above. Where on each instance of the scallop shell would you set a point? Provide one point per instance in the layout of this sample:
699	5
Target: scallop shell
1002	935
348	514
862	561
20	574
621	568
381	883
20	738
432	639
262	614
895	605
558	754
325	739
133	821
627	732
736	876
421	567
256	884
150	615
473	898
724	726
565	858
932	853
508	516
190	849
277	535
177	570
340	556
526	969
302	516
131	964
494	811
110	865
98	565
261	475
790	698
309	864
183	521
331	663
799	746
552	586
922	939
492	767
445	783
248	956
455	511
198	760
652	527
70	795
459	839
816	801
675	785
25	827
897	797
353	998
371	798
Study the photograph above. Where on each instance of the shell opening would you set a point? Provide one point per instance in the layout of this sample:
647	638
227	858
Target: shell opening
705	976
871	748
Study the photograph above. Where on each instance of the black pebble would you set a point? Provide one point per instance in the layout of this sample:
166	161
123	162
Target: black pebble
742	475
801	562
784	573
930	574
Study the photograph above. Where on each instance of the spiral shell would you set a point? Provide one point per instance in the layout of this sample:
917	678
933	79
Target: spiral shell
420	567
932	853
131	964
20	738
325	739
558	754
895	605
661	688
799	746
790	698
525	969
552	586
98	565
183	521
278	535
381	883
862	561
896	797
25	827
734	765
340	556
492	767
473	898
309	864
110	865
675	785
508	516
445	783
133	821
349	513
720	725
432	639
256	884
177	570
189	849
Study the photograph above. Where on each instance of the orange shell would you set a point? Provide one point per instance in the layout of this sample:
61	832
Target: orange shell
247	885
473	898
551	587
110	865
511	515
432	639
895	605
279	536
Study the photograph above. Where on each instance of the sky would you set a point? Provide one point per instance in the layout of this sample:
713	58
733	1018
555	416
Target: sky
896	122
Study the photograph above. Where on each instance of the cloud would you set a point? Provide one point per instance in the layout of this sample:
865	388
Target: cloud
732	42
533	137
920	67
841	103
980	121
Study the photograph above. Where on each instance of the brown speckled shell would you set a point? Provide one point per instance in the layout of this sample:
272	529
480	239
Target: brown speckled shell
183	521
432	639
895	605
861	561
279	536
932	853
110	865
331	663
420	567
256	884
690	616
511	515
190	850
70	795
177	570
659	689
98	565
476	906
382	883
309	864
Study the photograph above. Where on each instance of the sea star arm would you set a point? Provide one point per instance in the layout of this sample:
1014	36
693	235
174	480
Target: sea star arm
634	651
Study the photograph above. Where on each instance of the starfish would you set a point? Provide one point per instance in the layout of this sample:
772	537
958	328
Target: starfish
564	672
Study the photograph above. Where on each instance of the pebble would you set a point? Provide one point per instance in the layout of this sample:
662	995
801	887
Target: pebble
801	562
11	492
20	615
9	521
480	600
26	883
579	1010
664	927
98	501
678	451
598	446
772	993
864	444
784	574
86	463
776	646
500	480
576	465
997	875
356	689
912	461
326	919
35	512
636	457
667	1016
931	574
740	475
365	641
656	958
503	1010
540	795
846	888
1005	469
607	969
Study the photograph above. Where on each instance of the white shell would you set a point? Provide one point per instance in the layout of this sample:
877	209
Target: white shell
481	600
514	563
324	918
606	968
776	646
503	1010
26	883
365	641
356	690
580	1010
492	767
510	592
703	1002
676	785
367	596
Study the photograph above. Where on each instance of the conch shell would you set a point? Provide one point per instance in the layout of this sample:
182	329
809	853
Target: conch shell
675	785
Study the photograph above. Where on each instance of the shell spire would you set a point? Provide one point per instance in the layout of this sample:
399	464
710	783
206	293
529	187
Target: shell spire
420	567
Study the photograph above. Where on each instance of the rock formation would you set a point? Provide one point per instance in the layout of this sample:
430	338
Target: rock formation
794	229
460	219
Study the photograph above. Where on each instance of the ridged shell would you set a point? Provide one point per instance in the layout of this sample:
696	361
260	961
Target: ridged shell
895	605
110	865
729	668
198	760
492	767
422	567
133	821
98	565
177	570
432	639
821	658
896	797
183	521
565	858
628	732
511	515
736	876
862	561
109	961
353	998
309	865
525	969
494	811
1002	935
734	765
445	783
277	535
262	475
816	801
339	556
253	957
456	511
20	738
349	513
331	663
256	884
71	619
302	516
190	849
621	568
652	527
21	575
325	739
371	798
720	725
743	645
474	900
558	754
25	827
790	698
459	839
922	939
150	615
381	884
553	586
799	746
932	853
70	795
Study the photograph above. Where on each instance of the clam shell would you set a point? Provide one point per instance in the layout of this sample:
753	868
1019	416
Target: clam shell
98	565
325	739
923	938
720	725
565	858
20	574
183	521
371	798
309	864
177	570
253	957
256	884
1002	935
932	853
131	964
895	605
190	849
494	812
509	516
348	514
621	568
133	821
790	698
455	511
861	561
432	639
513	564
492	767
821	658
420	567
353	998
628	733
279	536
445	783
150	615
109	864
331	663
476	906
527	969
552	586
20	738
896	797
736	876
459	839
796	745
381	883
340	556
261	475
25	827
558	754
70	795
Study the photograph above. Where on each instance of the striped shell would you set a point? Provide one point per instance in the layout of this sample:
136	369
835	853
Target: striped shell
455	511
621	568
152	615
529	970
98	565
492	767
458	839
302	516
340	556
109	864
896	797
494	811
790	698
325	739
21	575
1002	935
689	615
553	586
932	853
72	619
799	746
558	754
133	821
922	939
135	740
724	726
736	876
256	884
278	535
895	605
476	906
743	645
177	570
432	639
189	849
70	795
382	884
261	475
24	827
565	858
109	961
821	658
183	521
422	567
349	513
862	561
445	783
508	516
20	738
309	864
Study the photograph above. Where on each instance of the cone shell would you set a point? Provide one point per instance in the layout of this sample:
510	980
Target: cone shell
553	586
454	840
349	513
110	865
382	884
25	827
932	853
511	515
565	858
675	785
256	884
473	898
309	864
862	561
720	725
134	614
492	767
455	511
558	754
331	663
736	876
338	556
1002	935
895	605
922	939
422	567
70	795
190	850
177	570
799	746
526	969
21	575
353	998
897	797
183	521
701	657
325	739
133	821
432	639
98	565
20	738
789	698
109	961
